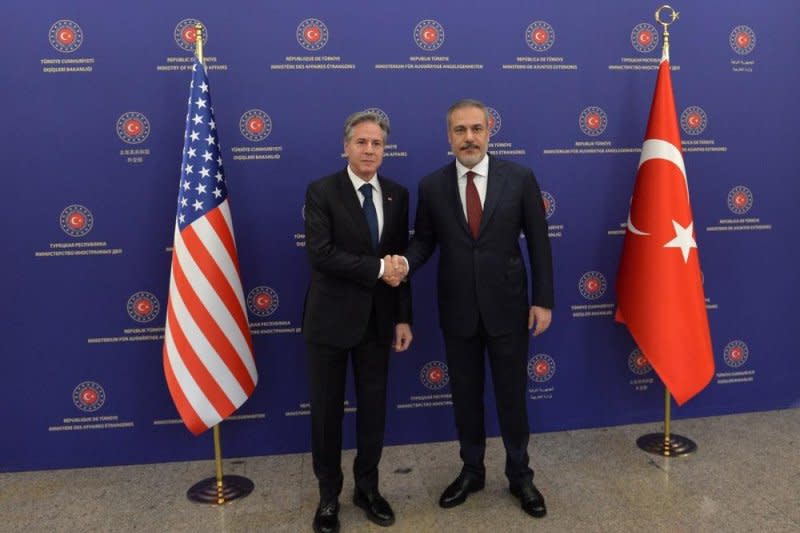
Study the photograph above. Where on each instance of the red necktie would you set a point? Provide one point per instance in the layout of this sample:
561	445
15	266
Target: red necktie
474	209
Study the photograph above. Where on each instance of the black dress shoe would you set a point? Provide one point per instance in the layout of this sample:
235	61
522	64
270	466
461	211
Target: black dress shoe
530	499
377	508
326	519
456	493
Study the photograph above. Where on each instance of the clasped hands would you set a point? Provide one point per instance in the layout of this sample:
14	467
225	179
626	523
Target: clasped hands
394	270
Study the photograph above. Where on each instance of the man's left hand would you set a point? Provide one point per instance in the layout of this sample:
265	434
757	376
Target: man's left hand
539	317
402	337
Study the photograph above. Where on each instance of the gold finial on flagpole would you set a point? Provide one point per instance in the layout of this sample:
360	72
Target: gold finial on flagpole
673	15
198	41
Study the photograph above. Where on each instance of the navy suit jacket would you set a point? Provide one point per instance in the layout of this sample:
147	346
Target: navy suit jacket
484	277
344	265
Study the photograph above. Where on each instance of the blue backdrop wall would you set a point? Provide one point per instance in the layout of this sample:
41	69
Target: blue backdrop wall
93	105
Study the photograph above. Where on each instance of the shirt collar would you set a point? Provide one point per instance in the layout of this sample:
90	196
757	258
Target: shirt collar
481	169
358	182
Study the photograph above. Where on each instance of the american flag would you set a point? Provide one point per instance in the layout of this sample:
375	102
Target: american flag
208	353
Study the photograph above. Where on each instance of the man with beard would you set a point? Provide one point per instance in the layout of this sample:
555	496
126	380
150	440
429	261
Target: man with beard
474	209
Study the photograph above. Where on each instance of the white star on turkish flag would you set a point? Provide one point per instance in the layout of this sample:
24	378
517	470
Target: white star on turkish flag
683	239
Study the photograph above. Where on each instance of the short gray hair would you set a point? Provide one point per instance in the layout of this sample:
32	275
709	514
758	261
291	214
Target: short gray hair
365	116
467	102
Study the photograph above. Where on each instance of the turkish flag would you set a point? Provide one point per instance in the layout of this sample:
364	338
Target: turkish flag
659	287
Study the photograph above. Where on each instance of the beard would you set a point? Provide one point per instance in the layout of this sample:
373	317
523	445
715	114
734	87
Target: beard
472	158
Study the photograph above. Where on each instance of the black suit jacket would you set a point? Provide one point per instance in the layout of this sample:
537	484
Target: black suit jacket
484	277
344	265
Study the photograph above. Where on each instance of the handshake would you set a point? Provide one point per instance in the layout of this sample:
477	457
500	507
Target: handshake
395	270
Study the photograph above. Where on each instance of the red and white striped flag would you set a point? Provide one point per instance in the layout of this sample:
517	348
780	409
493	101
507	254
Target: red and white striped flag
208	352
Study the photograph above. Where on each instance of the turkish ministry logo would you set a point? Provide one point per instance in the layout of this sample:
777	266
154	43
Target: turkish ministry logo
429	35
540	36
593	121
88	396
592	285
644	37
133	127
742	40
694	120
65	36
434	375
541	368
736	353
143	306
740	200
549	204
638	363
495	121
255	125
186	34
312	34
262	301
380	112
76	220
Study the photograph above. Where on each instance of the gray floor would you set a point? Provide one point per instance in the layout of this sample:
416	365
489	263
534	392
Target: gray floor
744	477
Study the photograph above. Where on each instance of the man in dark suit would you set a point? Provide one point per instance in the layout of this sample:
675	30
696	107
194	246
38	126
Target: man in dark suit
474	209
352	218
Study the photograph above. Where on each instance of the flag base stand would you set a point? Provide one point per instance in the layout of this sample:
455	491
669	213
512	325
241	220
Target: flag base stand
212	492
220	489
666	445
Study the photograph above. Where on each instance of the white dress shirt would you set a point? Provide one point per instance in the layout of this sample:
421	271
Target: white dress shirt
481	178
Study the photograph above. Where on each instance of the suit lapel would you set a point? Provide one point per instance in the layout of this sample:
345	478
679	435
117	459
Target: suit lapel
451	191
352	206
495	185
389	212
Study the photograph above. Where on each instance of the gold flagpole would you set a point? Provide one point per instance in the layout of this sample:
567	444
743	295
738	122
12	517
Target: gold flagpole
667	414
666	444
198	42
220	489
218	464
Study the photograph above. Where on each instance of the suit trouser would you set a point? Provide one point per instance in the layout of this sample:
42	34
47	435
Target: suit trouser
327	375
508	361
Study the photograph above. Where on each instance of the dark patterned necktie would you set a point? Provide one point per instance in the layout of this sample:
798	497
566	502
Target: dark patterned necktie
370	213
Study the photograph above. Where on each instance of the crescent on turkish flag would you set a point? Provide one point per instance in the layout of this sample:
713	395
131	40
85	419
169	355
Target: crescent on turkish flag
659	286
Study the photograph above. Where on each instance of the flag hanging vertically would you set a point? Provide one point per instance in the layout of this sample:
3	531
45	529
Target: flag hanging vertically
208	353
659	286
